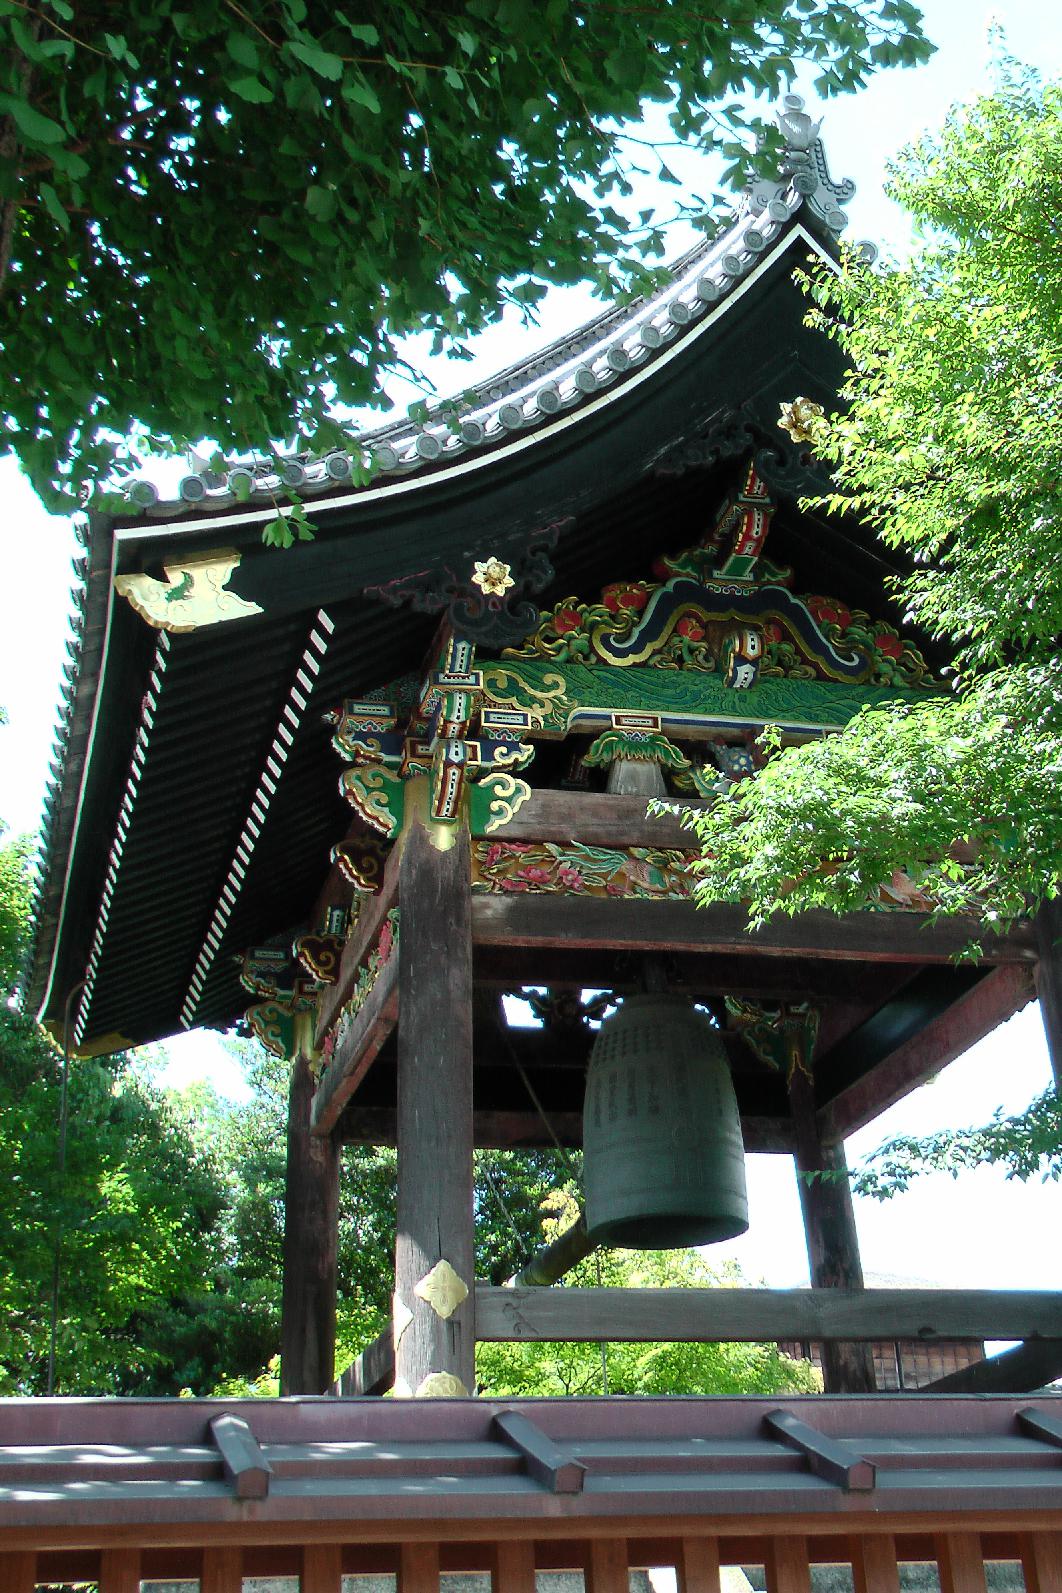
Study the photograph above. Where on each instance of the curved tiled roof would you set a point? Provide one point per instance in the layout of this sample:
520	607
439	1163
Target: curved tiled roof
557	380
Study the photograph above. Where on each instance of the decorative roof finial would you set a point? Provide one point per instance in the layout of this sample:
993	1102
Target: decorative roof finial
804	169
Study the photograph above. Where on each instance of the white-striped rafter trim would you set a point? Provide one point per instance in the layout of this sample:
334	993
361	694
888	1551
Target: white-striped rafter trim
268	783
148	710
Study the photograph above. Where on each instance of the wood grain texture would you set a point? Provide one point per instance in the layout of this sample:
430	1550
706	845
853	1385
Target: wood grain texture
874	1567
119	1571
697	1565
363	937
311	1218
830	1234
763	1315
222	1570
435	1196
961	1562
18	1572
322	1568
513	1568
994	999
358	1050
1041	1561
596	818
787	1565
643	925
605	1569
418	1568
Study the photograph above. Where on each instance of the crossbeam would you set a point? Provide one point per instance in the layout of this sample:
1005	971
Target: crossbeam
764	1315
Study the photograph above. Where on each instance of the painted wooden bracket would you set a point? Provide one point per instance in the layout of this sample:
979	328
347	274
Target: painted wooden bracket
825	1456
241	1455
555	1468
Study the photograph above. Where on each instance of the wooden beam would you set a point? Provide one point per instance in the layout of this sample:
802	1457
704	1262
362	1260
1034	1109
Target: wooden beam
222	1570
512	1567
372	1373
697	1565
596	818
1041	1561
363	936
1049	980
322	1568
311	1225
435	1135
996	997
508	1130
961	1562
358	1050
763	1315
830	1233
241	1456
1018	1371
874	1565
644	925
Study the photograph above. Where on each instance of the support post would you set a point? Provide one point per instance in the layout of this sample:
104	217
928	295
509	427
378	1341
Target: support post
1049	981
311	1219
434	1301
830	1232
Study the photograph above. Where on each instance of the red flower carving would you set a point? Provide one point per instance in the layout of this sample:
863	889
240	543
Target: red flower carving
772	631
690	627
385	945
829	612
567	620
570	878
534	874
514	884
891	646
625	594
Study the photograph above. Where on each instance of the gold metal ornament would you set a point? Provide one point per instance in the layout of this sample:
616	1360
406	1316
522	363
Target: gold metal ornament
443	1289
441	1385
492	577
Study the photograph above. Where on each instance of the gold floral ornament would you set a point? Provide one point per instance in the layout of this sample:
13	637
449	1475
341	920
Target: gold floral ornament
443	1289
441	1385
804	420
492	577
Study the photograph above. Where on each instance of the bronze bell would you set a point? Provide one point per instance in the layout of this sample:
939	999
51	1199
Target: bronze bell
663	1159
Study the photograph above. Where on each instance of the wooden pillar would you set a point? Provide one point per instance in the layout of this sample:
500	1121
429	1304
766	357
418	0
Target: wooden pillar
434	1257
874	1564
222	1571
606	1566
1041	1561
322	1568
830	1232
418	1568
513	1566
787	1565
311	1217
120	1571
961	1562
1049	981
18	1571
697	1565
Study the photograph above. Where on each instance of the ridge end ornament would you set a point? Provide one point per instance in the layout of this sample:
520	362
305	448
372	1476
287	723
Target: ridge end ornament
193	594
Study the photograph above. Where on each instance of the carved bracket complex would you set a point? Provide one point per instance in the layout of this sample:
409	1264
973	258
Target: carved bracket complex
450	737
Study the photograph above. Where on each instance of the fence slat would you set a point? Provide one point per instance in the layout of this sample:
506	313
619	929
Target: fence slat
962	1566
697	1565
787	1565
222	1571
418	1568
18	1572
1041	1561
606	1566
513	1567
322	1568
120	1571
874	1567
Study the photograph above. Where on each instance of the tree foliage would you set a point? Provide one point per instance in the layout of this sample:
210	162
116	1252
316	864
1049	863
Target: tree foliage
515	1370
217	221
950	445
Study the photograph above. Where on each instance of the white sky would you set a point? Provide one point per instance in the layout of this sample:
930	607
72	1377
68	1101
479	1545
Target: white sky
978	1232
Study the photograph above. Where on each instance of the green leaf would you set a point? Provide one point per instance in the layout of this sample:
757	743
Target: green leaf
323	62
31	123
54	207
364	32
244	51
116	43
252	90
320	202
355	88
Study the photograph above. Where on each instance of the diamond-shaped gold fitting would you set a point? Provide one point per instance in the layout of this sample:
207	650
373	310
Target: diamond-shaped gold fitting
442	1289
